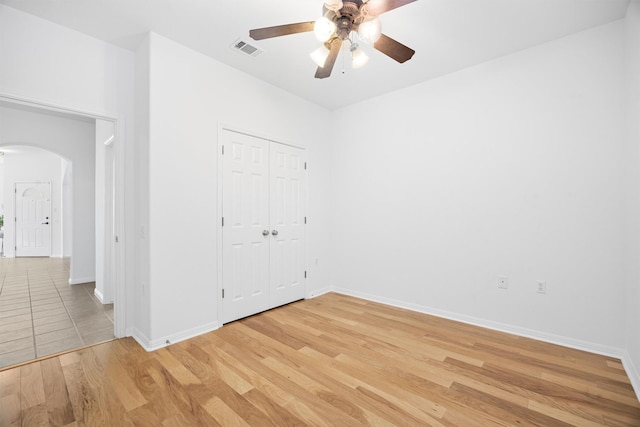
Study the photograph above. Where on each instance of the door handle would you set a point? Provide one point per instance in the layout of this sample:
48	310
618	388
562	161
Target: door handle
45	223
274	232
265	233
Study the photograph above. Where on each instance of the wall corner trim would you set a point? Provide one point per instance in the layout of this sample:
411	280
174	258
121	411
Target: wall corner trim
158	343
632	373
98	295
318	292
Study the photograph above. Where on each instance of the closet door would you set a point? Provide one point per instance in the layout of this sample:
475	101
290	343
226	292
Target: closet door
287	224
263	232
245	232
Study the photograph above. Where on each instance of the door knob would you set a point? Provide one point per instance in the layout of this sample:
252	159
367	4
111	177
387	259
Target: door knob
265	233
274	232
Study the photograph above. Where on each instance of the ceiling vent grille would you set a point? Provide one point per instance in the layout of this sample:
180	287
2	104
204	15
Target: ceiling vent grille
246	48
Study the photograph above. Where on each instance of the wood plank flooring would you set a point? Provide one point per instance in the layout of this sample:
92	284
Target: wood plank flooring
330	361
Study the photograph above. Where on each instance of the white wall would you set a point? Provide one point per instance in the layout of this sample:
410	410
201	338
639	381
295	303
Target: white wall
75	141
632	330
50	64
26	164
514	167
67	209
103	209
142	300
191	94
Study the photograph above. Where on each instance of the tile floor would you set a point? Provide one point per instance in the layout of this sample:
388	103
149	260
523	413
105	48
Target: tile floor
41	314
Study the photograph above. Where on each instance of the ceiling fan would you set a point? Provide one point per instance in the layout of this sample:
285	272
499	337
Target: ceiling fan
338	21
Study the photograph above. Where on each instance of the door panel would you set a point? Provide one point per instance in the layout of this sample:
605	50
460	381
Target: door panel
33	219
246	214
263	192
287	255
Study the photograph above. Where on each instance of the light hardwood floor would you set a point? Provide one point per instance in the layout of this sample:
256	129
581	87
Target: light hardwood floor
333	361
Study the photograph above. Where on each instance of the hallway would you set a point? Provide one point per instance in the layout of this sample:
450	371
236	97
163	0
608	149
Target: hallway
41	314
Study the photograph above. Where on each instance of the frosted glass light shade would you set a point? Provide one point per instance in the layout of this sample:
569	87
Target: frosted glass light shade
324	29
334	5
319	56
370	31
358	58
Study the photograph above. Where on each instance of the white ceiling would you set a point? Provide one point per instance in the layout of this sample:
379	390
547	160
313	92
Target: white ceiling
448	35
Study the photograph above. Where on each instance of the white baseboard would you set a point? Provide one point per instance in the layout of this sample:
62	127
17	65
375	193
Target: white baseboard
140	338
632	373
318	292
98	295
158	343
79	280
489	324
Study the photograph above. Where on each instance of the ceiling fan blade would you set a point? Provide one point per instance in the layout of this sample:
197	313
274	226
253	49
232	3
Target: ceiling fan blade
378	7
393	49
324	72
281	30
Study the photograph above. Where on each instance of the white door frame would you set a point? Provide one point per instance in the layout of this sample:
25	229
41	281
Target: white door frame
221	128
118	241
15	210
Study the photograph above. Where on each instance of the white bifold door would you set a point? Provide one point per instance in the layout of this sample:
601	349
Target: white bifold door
33	219
263	228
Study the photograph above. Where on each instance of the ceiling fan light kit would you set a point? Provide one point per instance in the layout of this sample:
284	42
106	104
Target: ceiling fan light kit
319	56
370	31
339	20
324	28
358	57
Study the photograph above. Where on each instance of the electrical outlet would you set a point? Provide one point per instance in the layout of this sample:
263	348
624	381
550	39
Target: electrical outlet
503	282
542	287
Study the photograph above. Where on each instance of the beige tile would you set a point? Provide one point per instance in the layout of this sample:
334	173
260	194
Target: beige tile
4	307
49	313
38	295
53	326
7	327
6	293
98	336
47	307
15	316
88	313
4	314
80	302
8	302
15	357
44	301
15	345
58	346
50	319
14	298
16	334
92	324
55	336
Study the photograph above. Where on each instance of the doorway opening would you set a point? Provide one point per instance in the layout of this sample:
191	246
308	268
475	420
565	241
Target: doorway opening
63	297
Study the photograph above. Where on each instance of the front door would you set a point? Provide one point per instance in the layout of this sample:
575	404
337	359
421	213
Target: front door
33	219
